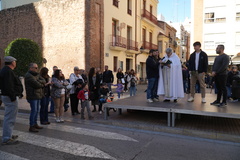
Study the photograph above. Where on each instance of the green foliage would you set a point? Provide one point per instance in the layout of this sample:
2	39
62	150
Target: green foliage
25	51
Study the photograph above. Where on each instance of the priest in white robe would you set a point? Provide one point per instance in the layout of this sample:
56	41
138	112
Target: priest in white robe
170	77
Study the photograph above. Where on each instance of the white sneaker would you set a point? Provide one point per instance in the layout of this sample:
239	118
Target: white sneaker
61	120
156	100
203	100
191	99
100	112
149	100
58	120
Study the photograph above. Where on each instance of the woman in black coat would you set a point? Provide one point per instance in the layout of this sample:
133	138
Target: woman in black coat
94	85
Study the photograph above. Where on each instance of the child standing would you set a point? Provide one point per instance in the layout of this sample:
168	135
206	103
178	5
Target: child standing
132	82
103	95
119	88
83	95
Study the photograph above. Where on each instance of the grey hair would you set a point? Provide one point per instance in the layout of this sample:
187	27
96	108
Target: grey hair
31	65
169	50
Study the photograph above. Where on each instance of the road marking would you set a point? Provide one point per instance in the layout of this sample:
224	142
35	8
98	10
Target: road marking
7	156
61	145
81	131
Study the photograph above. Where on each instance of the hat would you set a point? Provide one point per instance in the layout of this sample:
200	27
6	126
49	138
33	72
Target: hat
9	59
76	68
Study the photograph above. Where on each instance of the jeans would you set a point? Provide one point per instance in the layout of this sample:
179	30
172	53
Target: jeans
85	104
10	114
44	109
52	105
221	81
152	88
132	91
229	92
109	86
34	104
185	86
119	94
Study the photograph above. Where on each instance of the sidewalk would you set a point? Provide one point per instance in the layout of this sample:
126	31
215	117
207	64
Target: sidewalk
190	125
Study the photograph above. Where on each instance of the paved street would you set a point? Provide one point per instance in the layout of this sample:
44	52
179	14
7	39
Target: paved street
85	140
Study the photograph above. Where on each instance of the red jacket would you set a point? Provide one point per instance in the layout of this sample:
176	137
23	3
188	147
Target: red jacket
81	95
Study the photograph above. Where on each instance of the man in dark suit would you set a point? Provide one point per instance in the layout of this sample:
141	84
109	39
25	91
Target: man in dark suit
198	66
108	78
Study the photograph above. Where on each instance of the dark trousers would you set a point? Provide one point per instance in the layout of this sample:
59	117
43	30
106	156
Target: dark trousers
221	81
44	109
74	103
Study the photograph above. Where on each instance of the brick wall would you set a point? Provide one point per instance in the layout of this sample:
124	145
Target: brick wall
69	31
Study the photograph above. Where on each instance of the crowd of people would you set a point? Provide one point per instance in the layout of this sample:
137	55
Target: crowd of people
43	90
166	76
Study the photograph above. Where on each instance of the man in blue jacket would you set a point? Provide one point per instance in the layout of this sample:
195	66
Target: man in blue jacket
152	69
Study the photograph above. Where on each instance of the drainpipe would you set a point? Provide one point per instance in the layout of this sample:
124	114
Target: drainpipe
136	34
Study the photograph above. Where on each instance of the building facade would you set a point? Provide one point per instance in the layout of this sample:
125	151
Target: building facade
69	32
217	22
130	31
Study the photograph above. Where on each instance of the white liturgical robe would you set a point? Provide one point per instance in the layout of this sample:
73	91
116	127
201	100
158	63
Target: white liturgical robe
170	82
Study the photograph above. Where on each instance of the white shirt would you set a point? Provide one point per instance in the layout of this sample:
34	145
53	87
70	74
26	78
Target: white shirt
72	79
197	61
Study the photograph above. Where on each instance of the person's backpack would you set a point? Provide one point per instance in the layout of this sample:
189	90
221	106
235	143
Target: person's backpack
133	82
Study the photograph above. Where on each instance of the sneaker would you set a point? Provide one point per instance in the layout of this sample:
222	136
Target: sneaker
155	99
32	129
100	112
203	100
14	137
149	100
94	110
215	103
191	99
37	126
166	100
10	142
61	120
58	120
175	100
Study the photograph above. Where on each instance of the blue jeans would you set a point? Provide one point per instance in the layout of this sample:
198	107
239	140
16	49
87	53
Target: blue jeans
229	92
152	88
44	109
132	91
119	94
185	85
52	105
109	86
10	114
34	104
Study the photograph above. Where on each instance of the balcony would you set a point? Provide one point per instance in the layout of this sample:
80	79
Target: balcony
149	45
146	14
132	46
118	43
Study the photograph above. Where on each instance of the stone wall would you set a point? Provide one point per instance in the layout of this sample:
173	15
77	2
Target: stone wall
69	31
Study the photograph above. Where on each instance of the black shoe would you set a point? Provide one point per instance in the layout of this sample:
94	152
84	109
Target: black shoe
222	104
83	118
14	137
94	110
175	100
74	114
65	110
166	100
78	112
216	103
10	142
50	112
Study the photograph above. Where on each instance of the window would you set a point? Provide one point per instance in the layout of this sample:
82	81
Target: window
129	7
114	28
144	4
115	64
115	3
160	46
150	37
144	37
220	19
129	37
209	17
238	16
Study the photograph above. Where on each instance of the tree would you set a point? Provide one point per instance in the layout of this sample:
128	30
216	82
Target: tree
25	51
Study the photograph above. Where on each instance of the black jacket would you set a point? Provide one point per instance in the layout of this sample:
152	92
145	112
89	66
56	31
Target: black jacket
108	77
202	65
120	75
152	67
10	84
34	86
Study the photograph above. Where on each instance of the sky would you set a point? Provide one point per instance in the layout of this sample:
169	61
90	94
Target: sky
174	10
